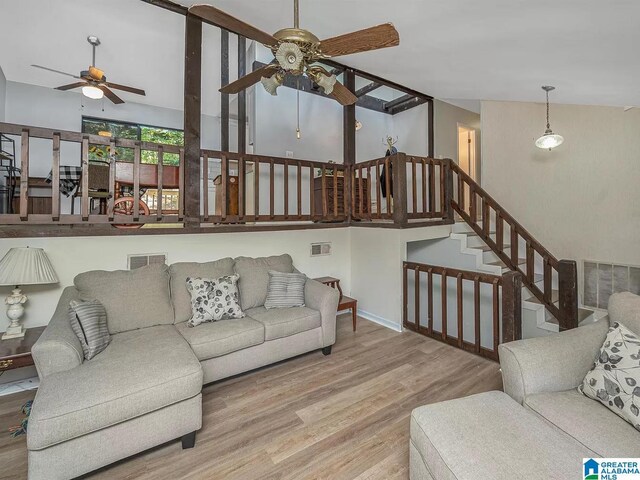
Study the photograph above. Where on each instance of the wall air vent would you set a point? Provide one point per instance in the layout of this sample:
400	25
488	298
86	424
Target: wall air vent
318	249
601	280
143	259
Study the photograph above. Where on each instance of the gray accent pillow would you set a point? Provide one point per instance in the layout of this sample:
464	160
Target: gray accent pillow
213	299
254	277
179	272
89	323
614	379
285	290
132	298
624	308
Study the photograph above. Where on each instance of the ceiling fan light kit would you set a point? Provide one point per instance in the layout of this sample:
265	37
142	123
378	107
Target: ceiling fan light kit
93	80
296	52
549	140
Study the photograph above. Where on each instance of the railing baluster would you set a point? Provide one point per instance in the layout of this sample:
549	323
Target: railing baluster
272	202
499	231
423	173
360	193
24	175
256	189
443	289
476	312
335	191
299	189
224	165
461	193
547	280
473	205
160	170
378	191
312	196
432	186
205	186
325	193
242	176
460	312
286	189
84	202
486	218
530	266
369	193
430	300
181	190
416	317
414	186
496	315
387	181
112	178
345	191
405	319
514	245
55	179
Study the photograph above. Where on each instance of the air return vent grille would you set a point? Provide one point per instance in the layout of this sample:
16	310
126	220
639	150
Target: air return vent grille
603	279
318	249
143	259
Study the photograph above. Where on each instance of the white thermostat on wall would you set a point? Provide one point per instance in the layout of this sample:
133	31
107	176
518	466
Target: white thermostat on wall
322	248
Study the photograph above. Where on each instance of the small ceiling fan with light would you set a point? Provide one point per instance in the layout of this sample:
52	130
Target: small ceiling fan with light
297	52
93	81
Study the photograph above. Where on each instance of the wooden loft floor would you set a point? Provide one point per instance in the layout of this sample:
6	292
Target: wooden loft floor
345	416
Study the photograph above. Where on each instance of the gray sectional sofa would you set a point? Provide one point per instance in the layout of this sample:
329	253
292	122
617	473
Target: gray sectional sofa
144	389
540	425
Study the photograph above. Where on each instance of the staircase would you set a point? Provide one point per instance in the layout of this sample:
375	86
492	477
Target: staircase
485	229
535	314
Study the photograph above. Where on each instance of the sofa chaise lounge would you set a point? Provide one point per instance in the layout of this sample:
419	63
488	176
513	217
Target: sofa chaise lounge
541	425
144	389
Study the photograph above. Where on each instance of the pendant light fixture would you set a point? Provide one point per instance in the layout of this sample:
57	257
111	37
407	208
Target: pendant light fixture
549	139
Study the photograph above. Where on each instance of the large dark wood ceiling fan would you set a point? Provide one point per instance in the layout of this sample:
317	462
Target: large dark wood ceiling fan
93	80
296	52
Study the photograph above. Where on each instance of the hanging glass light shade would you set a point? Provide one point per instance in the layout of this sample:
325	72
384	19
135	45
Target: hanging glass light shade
549	139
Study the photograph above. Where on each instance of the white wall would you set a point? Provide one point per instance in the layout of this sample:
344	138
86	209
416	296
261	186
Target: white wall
447	118
579	200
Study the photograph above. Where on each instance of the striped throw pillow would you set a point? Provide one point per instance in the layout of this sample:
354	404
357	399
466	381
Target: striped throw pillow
285	290
89	322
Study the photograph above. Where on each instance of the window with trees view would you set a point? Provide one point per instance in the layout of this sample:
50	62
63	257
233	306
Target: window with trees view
132	131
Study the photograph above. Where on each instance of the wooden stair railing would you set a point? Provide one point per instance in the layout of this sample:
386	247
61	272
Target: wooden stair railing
472	202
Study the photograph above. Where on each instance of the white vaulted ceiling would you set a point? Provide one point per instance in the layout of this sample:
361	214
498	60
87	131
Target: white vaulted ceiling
462	49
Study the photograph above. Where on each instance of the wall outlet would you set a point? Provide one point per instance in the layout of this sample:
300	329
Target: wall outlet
289	154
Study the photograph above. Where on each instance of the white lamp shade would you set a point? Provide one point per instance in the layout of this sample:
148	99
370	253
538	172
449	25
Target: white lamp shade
26	266
549	140
92	92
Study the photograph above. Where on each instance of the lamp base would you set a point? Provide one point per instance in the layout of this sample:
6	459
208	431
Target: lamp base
14	332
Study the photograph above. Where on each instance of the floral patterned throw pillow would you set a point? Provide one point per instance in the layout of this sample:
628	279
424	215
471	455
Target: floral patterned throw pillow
614	379
213	299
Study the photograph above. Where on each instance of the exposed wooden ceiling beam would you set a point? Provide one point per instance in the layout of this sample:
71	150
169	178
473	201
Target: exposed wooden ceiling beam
368	88
181	9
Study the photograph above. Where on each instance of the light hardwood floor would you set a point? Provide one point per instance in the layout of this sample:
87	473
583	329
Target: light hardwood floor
345	416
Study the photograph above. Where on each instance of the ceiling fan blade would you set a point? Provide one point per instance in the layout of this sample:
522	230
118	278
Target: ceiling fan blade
343	95
250	79
110	95
125	88
56	71
226	21
372	38
71	86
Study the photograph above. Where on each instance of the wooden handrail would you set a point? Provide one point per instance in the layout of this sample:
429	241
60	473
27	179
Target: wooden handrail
470	209
506	306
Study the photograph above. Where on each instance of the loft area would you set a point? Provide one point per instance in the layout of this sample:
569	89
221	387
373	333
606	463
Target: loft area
243	240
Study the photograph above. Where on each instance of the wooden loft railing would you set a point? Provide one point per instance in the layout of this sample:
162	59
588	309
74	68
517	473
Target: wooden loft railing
541	271
430	287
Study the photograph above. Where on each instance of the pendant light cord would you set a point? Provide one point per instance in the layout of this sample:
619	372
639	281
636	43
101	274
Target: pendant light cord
548	125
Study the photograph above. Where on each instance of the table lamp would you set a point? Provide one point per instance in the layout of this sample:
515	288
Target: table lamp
23	266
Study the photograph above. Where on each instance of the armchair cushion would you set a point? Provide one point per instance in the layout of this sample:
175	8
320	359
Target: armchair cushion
624	308
550	364
588	422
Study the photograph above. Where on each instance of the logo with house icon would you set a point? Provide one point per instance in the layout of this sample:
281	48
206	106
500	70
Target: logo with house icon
591	469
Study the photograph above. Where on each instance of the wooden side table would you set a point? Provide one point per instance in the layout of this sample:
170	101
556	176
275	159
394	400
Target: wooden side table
16	352
345	303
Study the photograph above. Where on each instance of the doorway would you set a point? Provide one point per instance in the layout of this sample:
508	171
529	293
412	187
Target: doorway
467	150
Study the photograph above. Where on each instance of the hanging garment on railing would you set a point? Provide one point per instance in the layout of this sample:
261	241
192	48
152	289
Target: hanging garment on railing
383	186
